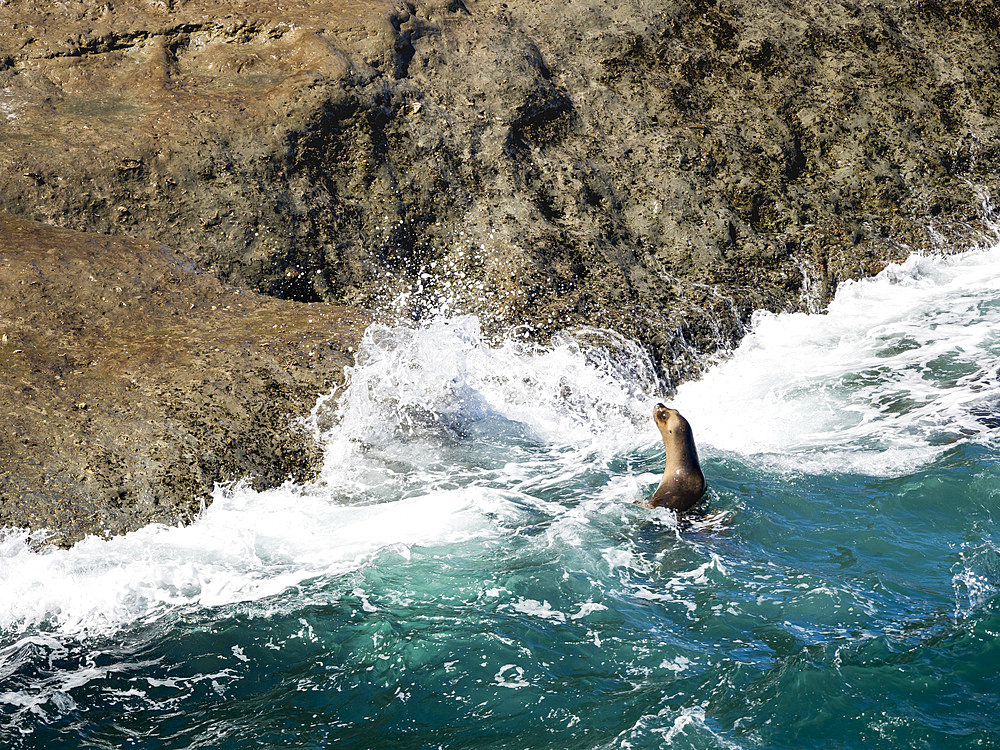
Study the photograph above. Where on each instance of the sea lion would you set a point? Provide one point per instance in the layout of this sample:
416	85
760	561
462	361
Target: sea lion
683	484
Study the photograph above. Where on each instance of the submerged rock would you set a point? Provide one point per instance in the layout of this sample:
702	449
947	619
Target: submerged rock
131	382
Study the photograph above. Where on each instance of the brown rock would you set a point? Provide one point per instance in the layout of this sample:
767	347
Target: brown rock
131	382
663	167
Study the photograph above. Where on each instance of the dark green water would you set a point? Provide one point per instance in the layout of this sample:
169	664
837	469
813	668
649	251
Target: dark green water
472	571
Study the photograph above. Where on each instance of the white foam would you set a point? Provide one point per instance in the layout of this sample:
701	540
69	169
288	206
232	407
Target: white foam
247	546
883	382
440	437
511	676
689	723
976	577
542	610
445	375
403	469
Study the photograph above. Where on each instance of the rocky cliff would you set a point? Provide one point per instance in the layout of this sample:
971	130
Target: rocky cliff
661	167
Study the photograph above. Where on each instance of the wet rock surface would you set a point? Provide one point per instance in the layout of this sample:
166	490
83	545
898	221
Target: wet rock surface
131	382
660	167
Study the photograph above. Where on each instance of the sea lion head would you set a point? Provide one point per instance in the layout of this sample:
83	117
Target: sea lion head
672	424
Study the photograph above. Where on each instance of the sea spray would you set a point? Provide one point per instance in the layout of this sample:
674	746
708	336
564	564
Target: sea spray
436	437
418	394
902	366
444	370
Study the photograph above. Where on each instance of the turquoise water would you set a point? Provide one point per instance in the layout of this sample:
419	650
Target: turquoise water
471	570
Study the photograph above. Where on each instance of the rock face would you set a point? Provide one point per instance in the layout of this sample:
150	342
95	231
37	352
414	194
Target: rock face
663	167
131	382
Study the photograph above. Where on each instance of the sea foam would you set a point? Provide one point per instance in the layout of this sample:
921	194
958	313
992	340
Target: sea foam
901	366
440	436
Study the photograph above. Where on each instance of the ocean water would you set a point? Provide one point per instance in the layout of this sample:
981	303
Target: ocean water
471	569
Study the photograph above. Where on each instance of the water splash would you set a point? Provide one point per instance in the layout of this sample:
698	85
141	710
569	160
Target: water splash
901	366
473	541
438	405
444	373
246	546
976	577
437	438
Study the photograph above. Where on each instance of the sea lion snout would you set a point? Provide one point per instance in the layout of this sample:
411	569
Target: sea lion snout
669	420
662	413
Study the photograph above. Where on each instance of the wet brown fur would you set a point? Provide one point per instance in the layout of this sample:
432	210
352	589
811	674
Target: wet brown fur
683	483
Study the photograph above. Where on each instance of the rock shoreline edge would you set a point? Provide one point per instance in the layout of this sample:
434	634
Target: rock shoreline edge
662	168
132	382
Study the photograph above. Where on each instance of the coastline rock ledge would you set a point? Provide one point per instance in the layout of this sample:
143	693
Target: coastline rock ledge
663	168
131	382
